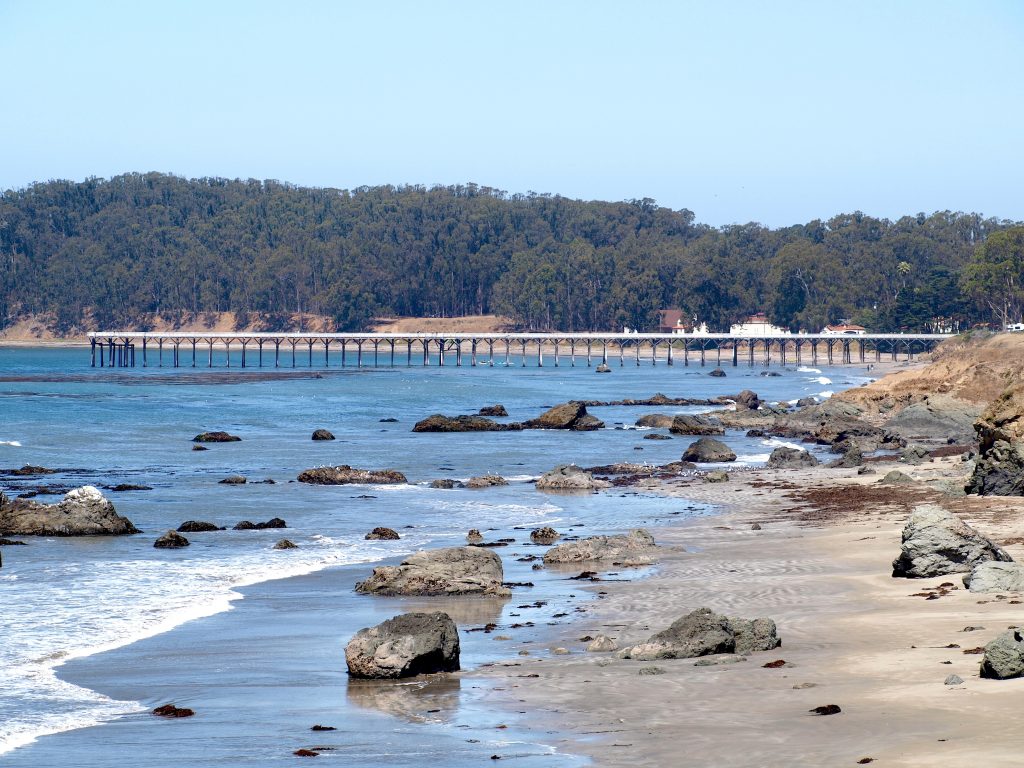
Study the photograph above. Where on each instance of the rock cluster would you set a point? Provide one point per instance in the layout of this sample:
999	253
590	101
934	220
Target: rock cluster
406	645
634	548
472	423
703	632
569	477
572	415
450	571
936	542
82	512
346	475
784	457
694	425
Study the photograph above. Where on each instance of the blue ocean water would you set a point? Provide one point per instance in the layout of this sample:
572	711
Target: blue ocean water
69	604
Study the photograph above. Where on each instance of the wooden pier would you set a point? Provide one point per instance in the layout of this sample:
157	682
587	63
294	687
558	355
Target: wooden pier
128	349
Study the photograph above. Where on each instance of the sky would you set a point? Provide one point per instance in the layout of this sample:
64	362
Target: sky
777	112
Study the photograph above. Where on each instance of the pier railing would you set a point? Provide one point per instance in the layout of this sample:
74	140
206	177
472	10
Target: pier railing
128	349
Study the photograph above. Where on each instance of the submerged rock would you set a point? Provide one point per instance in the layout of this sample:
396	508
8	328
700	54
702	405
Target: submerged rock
472	423
707	449
285	544
449	571
233	480
569	477
936	542
546	535
634	548
346	475
82	512
718	373
171	540
274	522
485	481
215	437
322	434
382	534
444	484
406	645
473	536
198	526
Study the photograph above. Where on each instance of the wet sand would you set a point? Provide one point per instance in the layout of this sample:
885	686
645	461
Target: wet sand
852	635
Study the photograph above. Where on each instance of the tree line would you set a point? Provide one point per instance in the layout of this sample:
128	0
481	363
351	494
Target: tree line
119	252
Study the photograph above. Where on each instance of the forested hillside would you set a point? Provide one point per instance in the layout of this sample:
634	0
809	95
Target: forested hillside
118	252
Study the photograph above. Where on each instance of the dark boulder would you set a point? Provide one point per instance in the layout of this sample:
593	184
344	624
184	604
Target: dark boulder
546	535
656	420
572	415
936	542
322	434
703	632
169	710
274	522
706	450
694	425
382	534
472	423
493	410
346	475
286	544
999	470
852	457
718	373
233	480
444	484
407	645
747	401
790	458
215	437
197	526
171	540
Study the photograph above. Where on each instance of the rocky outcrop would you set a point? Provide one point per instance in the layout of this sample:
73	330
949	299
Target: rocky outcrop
1004	656
198	526
171	540
274	522
790	458
233	480
851	458
829	423
545	535
937	542
703	632
747	400
346	475
450	571
895	477
569	477
381	533
215	437
572	415
485	481
493	410
999	470
706	450
285	544
322	434
471	423
444	484
694	425
82	512
634	548
937	418
404	646
995	576
655	420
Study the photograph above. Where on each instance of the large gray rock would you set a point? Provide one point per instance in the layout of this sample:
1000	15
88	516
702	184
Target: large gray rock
1004	656
569	477
404	646
999	471
707	449
694	425
472	423
346	475
747	400
485	481
656	420
939	418
450	571
786	458
937	542
82	512
830	422
996	576
572	415
852	457
703	632
635	548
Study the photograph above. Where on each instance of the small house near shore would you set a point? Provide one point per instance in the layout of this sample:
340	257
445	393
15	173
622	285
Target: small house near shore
671	321
844	329
757	325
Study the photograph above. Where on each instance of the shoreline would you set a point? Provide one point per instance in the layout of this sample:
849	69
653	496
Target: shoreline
851	633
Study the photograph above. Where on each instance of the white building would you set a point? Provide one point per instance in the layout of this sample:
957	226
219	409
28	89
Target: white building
844	329
757	325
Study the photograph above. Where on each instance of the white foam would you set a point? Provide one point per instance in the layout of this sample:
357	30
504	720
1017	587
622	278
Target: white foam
805	369
12	443
752	458
774	442
823	380
826	394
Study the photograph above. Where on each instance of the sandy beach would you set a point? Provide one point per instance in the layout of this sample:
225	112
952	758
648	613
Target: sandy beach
852	635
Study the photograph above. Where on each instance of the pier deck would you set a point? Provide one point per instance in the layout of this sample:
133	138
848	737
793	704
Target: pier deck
128	349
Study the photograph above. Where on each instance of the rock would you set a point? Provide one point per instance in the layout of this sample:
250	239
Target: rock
717	476
122	487
473	423
914	454
285	544
572	415
954	680
29	470
853	457
657	436
546	535
197	526
999	470
450	571
755	527
11	543
937	418
274	522
656	420
233	480
995	576
694	425
215	437
602	644
790	458
651	671
82	512
770	373
444	484
1004	657
937	542
171	540
827	709
634	548
322	434
603	368
382	534
306	753
388	420
702	633
806	402
404	646
895	477
569	477
828	423
718	373
200	448
707	449
754	634
473	536
346	475
747	401
493	410
560	651
485	481
719	661
169	710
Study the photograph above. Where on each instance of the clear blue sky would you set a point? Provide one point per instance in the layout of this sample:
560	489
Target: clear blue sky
778	112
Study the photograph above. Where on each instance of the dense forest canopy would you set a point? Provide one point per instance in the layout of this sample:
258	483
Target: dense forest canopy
119	252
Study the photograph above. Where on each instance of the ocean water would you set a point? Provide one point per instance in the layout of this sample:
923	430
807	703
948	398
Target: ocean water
95	629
